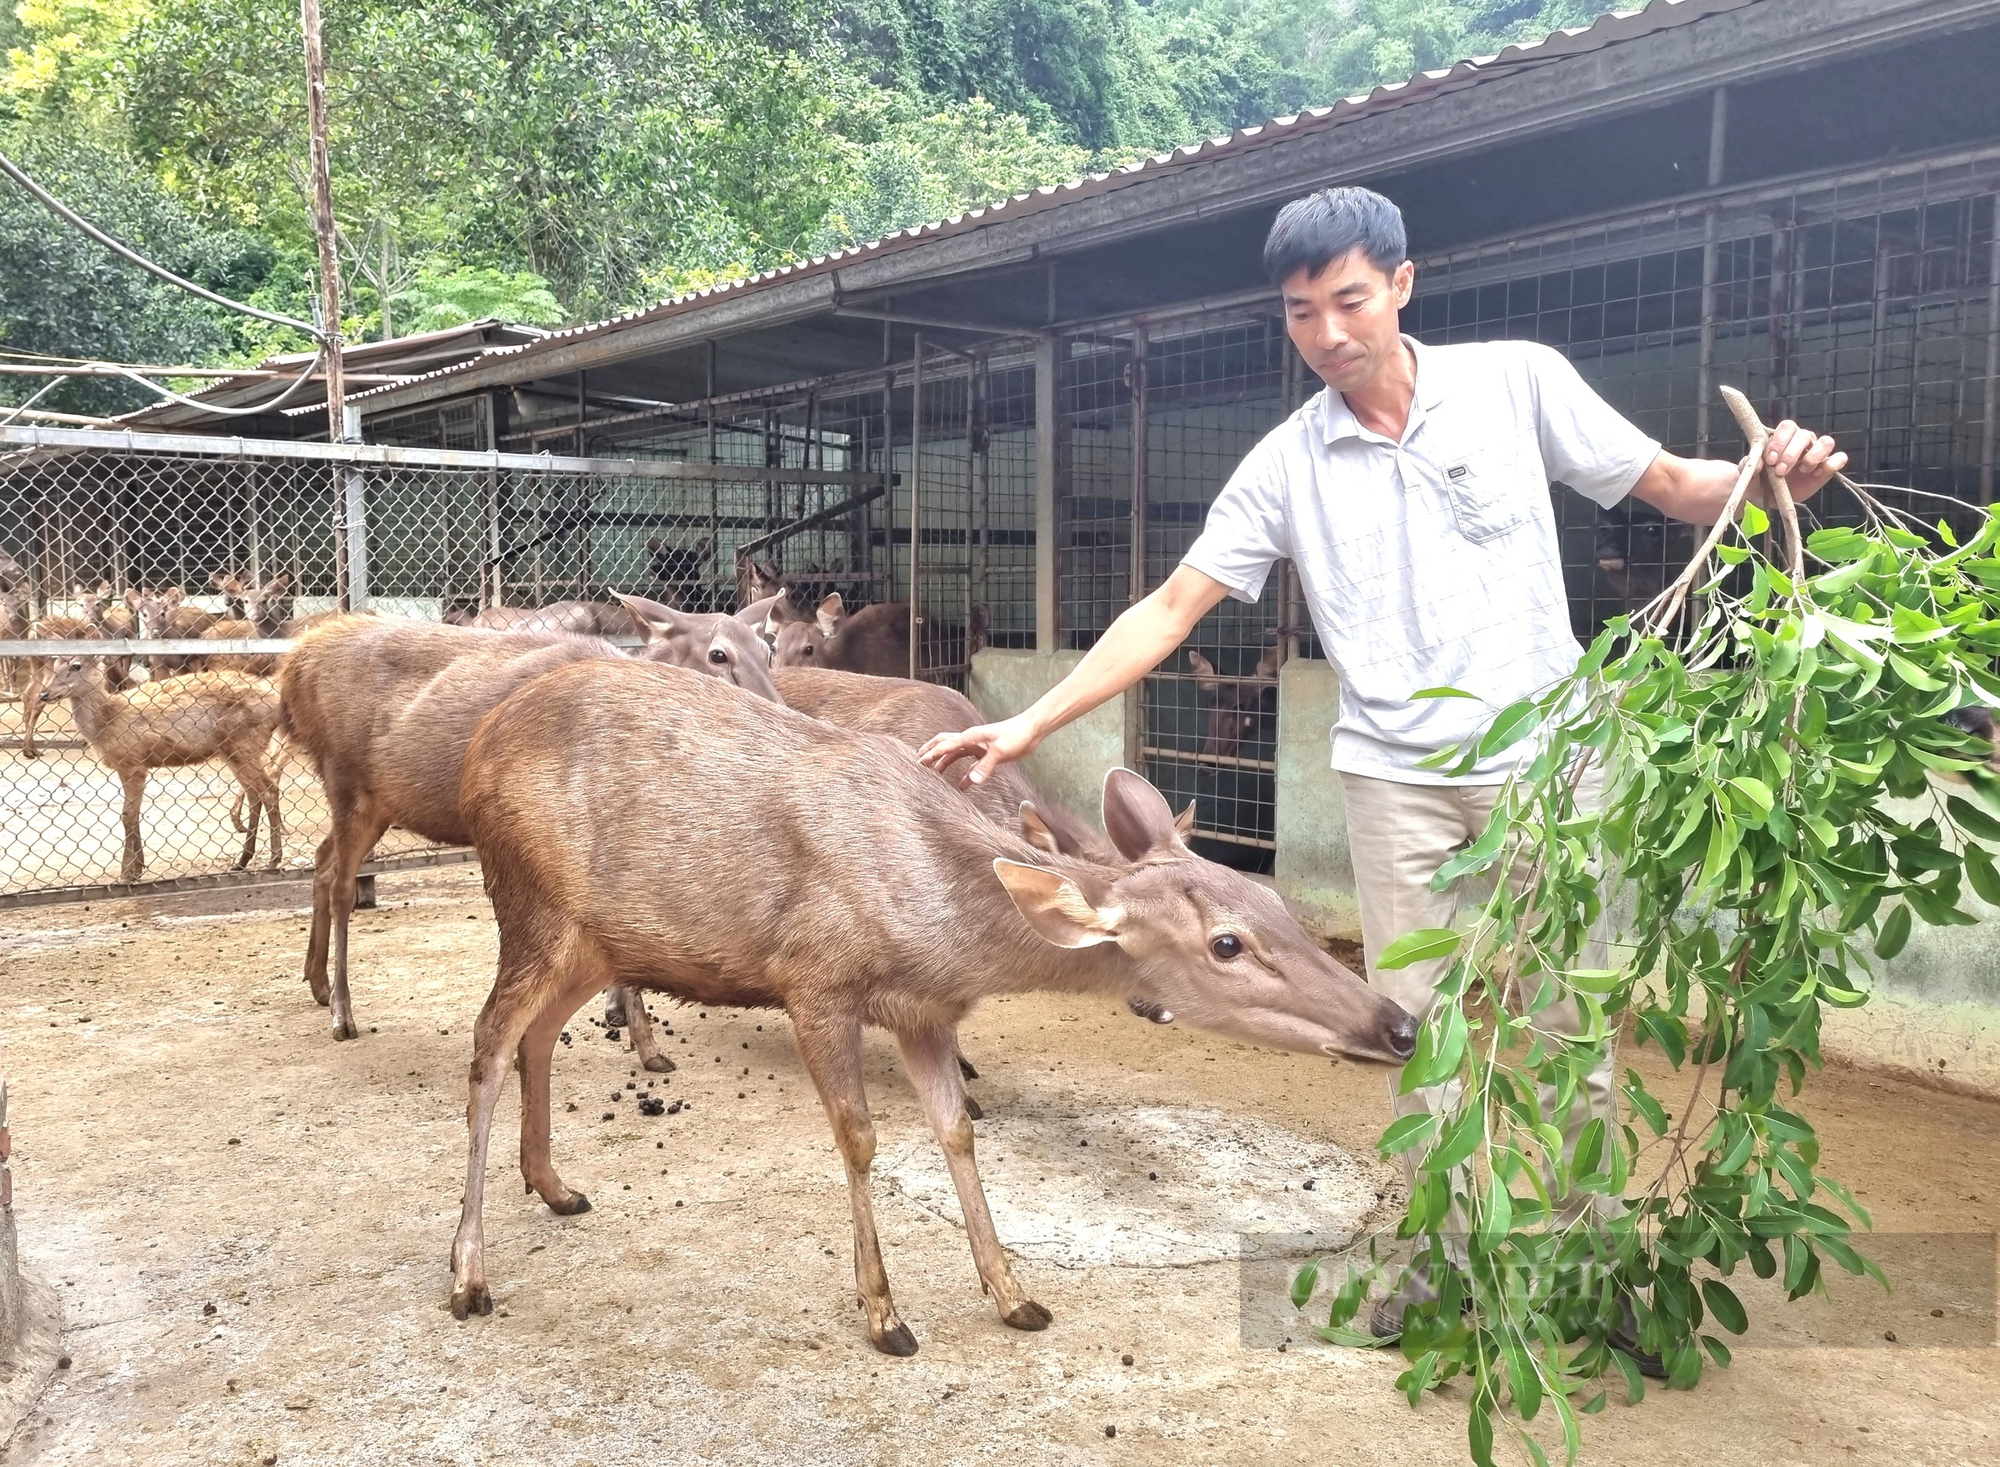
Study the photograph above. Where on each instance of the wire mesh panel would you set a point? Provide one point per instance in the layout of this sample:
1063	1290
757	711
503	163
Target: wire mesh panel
1866	306
150	584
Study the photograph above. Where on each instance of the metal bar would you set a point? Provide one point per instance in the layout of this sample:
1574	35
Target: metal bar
140	646
1988	423
1718	148
57	896
491	575
100	441
811	522
1046	415
1213	761
1137	566
945	323
977	478
354	593
916	503
320	172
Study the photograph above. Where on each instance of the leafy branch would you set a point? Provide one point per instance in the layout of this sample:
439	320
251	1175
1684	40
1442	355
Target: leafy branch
1744	779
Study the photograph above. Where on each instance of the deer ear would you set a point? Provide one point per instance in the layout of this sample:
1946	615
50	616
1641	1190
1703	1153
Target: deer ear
173	596
653	543
657	621
1056	907
1272	660
1204	672
832	612
278	584
1035	830
1137	818
1184	822
132	599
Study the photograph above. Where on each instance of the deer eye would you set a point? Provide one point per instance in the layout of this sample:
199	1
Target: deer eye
808	651
717	656
1227	946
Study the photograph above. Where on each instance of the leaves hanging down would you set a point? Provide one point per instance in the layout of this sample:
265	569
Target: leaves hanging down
1787	793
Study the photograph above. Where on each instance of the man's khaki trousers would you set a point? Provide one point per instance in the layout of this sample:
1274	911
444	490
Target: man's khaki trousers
1399	835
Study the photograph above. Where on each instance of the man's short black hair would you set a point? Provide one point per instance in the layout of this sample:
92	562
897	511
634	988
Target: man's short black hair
1311	233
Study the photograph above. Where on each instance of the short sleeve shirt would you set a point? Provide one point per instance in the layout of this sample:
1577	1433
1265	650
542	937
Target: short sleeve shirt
1433	561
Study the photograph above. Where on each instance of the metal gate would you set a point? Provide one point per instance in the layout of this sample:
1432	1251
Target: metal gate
238	542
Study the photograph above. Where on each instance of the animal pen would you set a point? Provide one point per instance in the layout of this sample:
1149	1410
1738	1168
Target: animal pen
1864	303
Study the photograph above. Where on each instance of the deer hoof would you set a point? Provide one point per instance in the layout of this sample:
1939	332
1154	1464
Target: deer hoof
1027	1315
571	1205
31	753
470	1300
972	1110
965	1070
659	1064
346	1031
897	1341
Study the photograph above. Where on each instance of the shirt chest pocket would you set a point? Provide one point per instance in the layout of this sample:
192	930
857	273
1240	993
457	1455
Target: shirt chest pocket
1486	494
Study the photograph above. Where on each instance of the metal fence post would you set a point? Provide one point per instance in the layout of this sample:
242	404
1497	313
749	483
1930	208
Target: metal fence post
1718	134
1136	698
977	478
916	503
1046	404
354	516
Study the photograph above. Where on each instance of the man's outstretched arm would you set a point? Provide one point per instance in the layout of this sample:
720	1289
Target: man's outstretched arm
1695	489
1133	646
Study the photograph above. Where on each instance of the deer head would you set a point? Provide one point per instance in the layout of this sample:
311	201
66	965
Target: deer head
1205	943
720	646
1236	706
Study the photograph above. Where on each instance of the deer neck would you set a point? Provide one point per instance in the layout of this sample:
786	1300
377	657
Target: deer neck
1013	957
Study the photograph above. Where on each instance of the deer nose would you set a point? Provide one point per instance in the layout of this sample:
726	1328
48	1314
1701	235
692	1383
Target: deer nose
1402	1036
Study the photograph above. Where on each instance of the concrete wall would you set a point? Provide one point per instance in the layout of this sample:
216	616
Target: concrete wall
1070	767
1315	871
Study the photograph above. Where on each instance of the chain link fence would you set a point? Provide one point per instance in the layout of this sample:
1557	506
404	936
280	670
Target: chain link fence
150	583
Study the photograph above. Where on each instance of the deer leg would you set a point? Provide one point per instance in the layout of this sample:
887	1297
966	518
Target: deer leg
931	1055
645	1044
322	920
250	792
830	1045
274	781
134	864
31	711
538	1046
355	840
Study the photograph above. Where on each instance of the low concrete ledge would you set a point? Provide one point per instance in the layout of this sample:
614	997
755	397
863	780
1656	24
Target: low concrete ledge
1070	767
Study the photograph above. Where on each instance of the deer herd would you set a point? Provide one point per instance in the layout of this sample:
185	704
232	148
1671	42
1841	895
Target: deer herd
603	789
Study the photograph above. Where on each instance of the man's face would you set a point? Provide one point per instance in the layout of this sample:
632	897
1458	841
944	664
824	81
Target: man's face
1344	321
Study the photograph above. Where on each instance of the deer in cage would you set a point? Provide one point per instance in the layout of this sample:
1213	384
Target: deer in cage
383	709
874	640
86	626
165	614
1240	711
170	723
681	572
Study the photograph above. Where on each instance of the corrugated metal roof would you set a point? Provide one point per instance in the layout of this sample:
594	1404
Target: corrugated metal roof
1606	30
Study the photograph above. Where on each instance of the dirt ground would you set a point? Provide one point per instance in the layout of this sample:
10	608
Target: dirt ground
248	1227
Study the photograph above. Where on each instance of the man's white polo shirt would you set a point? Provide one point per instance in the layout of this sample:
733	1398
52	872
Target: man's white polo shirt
1434	561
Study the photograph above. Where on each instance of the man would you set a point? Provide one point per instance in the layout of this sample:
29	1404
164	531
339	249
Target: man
1412	495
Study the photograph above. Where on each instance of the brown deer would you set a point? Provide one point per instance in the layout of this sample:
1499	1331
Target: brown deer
874	640
164	616
13	628
384	708
52	628
266	612
580	618
167	723
945	909
1239	709
114	622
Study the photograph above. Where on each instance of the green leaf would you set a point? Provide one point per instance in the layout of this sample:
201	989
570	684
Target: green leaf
1307	1279
1755	792
1460	1140
1419	946
1726	1308
1979	870
1440	1048
1895	932
1973	819
1444	693
1407	1132
1479	1435
1514	723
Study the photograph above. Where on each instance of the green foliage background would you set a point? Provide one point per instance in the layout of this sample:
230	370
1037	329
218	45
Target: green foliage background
553	162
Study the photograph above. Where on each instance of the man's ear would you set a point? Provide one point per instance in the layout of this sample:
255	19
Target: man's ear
1056	907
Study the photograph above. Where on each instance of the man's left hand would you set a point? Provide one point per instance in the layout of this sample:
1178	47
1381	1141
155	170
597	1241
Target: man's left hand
1803	459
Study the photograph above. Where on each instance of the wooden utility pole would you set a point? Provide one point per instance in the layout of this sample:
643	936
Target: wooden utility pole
322	218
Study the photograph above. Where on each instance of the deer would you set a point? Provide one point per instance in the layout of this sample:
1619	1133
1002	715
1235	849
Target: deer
1239	709
946	909
266	614
114	622
383	710
13	626
874	640
580	618
53	628
163	615
168	723
680	571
